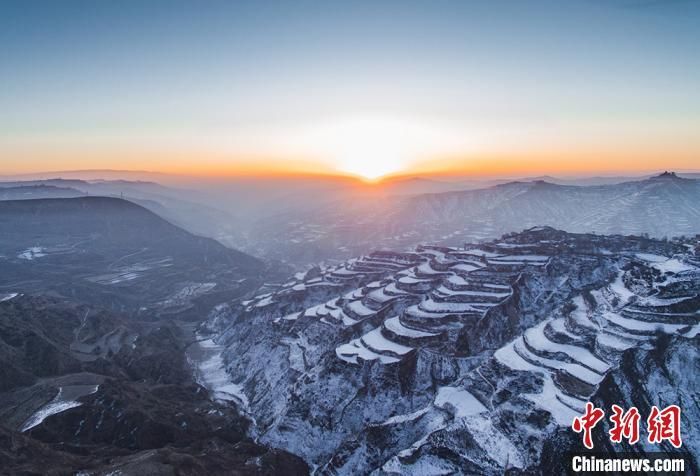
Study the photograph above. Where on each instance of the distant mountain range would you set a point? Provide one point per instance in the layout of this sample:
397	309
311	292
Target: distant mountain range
423	183
662	206
307	220
41	190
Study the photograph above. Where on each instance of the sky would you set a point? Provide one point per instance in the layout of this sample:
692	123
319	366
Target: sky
367	88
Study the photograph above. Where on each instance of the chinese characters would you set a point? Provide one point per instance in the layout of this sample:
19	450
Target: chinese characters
662	425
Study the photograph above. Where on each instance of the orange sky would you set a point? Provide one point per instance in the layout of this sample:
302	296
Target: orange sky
564	163
371	147
604	159
367	89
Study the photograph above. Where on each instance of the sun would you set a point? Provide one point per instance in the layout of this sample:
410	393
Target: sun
367	147
373	146
371	149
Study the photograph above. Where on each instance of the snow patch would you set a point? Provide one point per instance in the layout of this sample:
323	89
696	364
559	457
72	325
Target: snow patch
673	266
394	325
375	340
406	417
619	288
55	406
459	401
211	373
7	297
32	253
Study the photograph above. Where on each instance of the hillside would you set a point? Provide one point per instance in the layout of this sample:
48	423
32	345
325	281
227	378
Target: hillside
84	390
189	209
464	359
114	253
99	304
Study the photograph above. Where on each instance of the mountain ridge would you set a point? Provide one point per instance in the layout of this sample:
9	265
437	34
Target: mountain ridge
97	247
455	357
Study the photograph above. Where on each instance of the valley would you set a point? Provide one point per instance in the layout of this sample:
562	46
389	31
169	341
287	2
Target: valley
128	344
98	312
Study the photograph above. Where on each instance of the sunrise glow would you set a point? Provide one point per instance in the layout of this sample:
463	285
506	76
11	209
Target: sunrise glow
368	149
420	89
370	146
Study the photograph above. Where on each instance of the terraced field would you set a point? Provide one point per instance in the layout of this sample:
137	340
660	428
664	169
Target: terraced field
420	349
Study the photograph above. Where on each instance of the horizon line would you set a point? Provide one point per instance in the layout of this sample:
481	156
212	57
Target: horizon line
301	174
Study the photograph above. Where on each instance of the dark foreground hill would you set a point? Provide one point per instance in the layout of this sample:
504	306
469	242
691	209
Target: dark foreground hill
113	253
188	209
83	390
99	300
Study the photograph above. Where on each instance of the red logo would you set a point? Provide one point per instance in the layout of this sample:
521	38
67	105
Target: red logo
661	425
587	422
665	425
624	425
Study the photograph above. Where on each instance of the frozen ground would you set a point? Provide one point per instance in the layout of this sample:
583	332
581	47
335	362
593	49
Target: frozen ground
65	399
32	253
7	297
210	372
